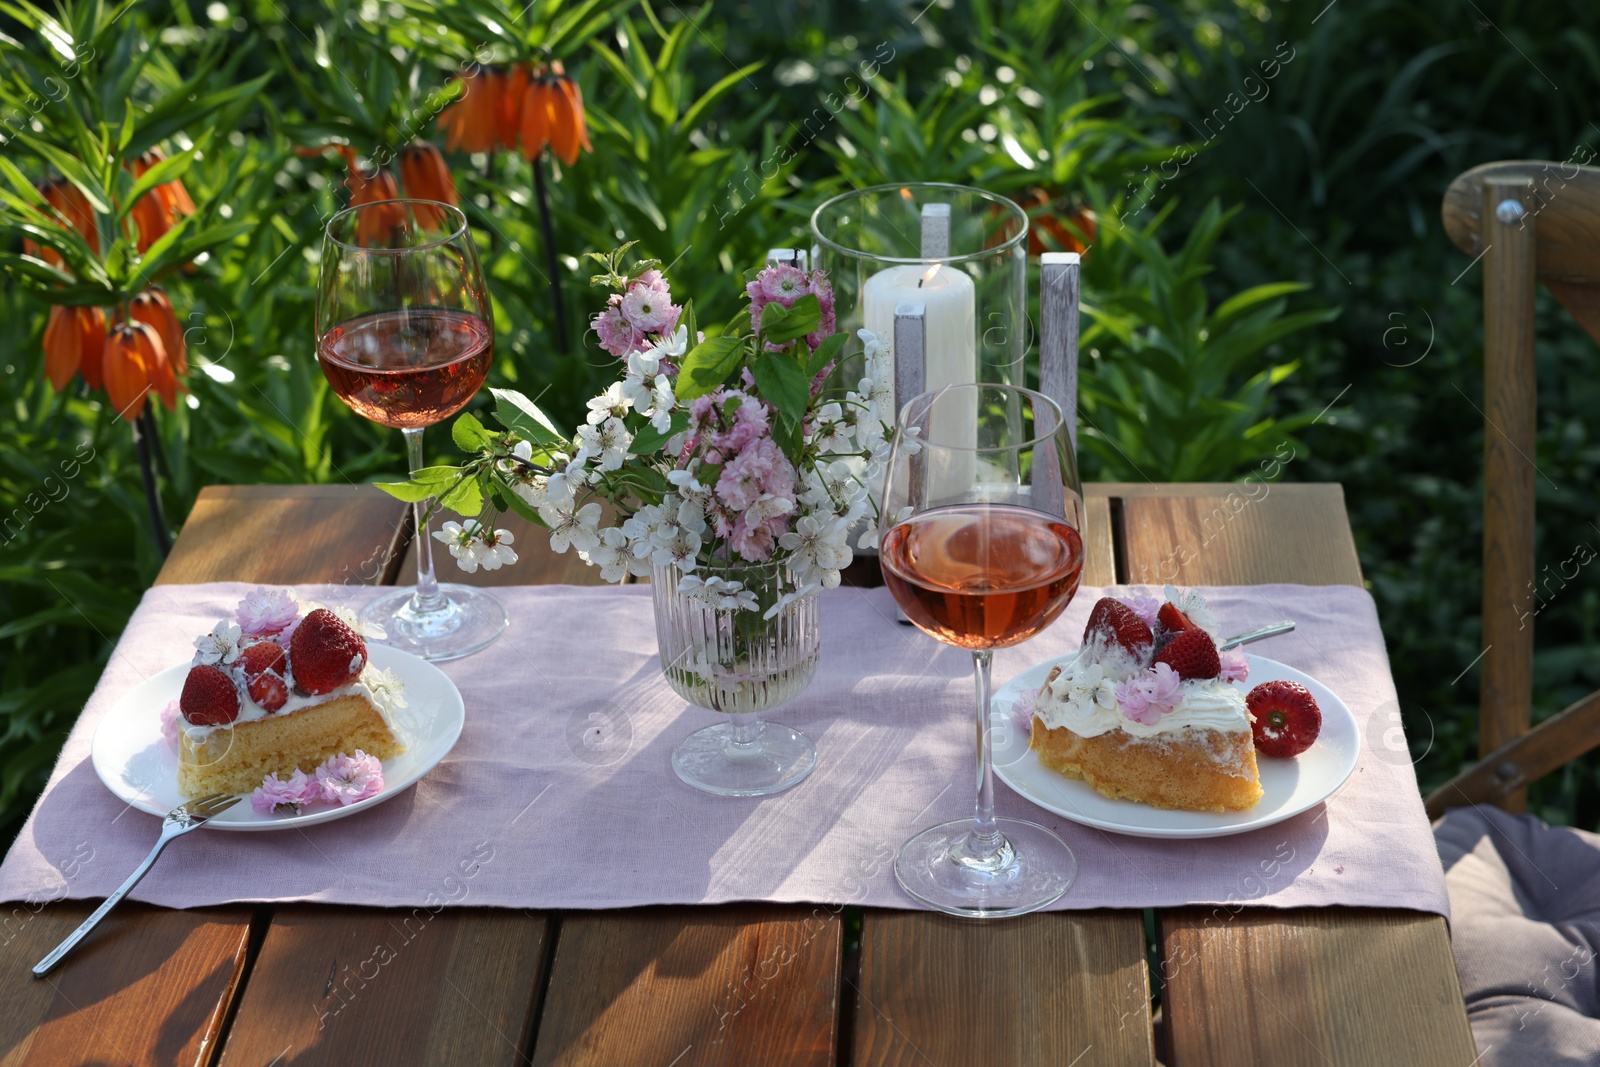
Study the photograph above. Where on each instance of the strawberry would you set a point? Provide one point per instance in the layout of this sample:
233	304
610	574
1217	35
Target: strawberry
324	653
1117	622
269	690
1287	719
209	697
1172	620
1192	654
261	657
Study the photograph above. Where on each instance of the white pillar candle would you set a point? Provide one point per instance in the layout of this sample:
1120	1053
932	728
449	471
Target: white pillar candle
950	335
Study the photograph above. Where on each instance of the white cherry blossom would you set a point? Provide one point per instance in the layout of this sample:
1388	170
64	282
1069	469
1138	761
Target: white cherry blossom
578	529
221	645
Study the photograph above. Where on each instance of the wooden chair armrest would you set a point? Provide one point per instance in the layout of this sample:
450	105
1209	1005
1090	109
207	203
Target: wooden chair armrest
1514	764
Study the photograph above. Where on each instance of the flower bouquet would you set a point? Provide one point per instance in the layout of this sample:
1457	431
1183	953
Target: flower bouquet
710	453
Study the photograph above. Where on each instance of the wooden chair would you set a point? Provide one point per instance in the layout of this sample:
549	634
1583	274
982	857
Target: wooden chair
1526	220
1522	893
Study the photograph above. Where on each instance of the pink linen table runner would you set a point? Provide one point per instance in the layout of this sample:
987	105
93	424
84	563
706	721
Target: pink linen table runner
560	793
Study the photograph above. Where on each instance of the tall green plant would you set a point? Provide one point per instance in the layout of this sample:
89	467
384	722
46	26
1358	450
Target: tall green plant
1174	389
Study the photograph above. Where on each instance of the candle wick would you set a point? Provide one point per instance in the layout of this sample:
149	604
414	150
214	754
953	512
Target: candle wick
920	281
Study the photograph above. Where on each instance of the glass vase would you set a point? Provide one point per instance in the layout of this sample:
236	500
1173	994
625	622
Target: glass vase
736	661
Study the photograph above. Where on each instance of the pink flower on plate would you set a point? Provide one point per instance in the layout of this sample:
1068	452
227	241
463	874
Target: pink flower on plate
1235	666
275	796
1022	711
1146	697
1145	606
171	723
265	611
349	779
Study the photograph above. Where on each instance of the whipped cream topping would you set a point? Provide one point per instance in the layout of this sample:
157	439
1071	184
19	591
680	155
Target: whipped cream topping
250	711
1083	699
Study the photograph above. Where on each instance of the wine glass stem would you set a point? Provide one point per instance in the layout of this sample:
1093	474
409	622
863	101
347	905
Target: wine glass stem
427	597
986	840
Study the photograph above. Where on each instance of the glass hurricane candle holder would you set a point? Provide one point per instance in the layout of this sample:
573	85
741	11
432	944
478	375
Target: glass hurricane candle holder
961	252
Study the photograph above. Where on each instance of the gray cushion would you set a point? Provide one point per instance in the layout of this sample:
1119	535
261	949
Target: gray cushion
1525	923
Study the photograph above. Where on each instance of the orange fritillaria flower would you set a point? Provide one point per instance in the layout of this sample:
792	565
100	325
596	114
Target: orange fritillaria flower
426	177
552	114
158	210
152	308
472	122
72	207
514	91
133	363
73	338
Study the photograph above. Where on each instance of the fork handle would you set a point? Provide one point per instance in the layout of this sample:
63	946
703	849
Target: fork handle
46	965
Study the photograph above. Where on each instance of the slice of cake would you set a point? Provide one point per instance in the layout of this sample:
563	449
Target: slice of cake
1147	711
275	692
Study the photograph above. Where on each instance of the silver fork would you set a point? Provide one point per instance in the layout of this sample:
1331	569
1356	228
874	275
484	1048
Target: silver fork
179	821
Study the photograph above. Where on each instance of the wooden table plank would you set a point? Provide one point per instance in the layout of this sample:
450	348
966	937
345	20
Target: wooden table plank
1057	988
153	985
149	987
1219	535
287	534
736	985
1313	987
1288	986
366	985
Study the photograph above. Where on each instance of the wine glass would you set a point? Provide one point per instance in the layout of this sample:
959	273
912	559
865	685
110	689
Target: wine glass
982	549
405	336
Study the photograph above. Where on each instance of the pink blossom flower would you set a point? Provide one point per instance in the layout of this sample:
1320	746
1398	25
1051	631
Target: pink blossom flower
617	335
758	469
1235	666
265	611
277	796
646	309
1145	606
171	723
1022	711
822	289
753	541
653	279
783	283
1146	697
348	779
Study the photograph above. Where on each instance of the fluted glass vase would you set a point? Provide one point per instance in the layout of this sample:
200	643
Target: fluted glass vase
737	661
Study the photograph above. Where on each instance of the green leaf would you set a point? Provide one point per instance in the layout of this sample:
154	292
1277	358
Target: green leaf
648	439
468	433
410	492
783	383
520	415
464	498
708	365
825	353
797	321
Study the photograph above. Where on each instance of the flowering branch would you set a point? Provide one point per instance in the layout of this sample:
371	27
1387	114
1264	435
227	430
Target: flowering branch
709	451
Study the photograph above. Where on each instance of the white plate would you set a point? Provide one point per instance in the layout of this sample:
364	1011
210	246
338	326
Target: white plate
1288	786
140	766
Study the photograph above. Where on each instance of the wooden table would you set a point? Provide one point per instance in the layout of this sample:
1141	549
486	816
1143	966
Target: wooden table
742	984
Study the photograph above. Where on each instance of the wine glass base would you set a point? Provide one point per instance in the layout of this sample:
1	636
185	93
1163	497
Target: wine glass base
1040	869
466	621
709	760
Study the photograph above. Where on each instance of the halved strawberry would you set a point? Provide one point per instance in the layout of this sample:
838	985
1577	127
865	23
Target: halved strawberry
209	697
1117	622
1192	654
324	653
269	690
1171	619
1287	719
261	657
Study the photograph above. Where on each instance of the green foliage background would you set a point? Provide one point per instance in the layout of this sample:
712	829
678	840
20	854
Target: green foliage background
1243	144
